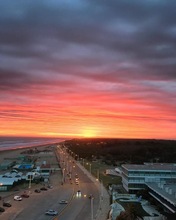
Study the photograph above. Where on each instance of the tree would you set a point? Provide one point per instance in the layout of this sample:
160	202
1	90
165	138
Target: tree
129	214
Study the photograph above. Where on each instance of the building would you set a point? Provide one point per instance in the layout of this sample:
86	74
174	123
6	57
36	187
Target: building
45	170
159	179
5	165
164	194
135	177
24	166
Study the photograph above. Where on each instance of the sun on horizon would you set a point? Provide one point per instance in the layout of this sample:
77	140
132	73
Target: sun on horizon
89	133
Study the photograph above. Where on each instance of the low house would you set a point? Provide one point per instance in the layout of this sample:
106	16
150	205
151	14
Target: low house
5	165
45	170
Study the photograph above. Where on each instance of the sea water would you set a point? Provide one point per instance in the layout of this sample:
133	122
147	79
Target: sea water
7	143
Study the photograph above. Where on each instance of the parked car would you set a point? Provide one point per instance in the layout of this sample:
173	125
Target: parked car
63	202
6	204
17	198
51	212
50	186
43	188
37	190
2	209
24	195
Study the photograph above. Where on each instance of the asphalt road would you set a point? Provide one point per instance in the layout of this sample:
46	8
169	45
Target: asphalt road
78	208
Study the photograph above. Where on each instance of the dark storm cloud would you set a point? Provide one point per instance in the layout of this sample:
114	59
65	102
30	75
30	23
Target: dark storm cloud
67	37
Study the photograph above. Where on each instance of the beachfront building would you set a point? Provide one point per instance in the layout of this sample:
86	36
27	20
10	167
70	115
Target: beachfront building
24	166
164	193
10	179
6	164
159	179
135	177
45	170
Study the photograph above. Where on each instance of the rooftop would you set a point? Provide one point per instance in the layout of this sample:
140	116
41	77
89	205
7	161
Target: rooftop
151	166
167	191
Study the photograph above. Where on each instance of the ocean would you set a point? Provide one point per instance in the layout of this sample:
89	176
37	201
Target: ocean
7	143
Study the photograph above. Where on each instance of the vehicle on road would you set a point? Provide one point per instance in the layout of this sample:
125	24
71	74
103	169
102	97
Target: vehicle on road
37	190
51	212
6	204
43	188
78	194
63	202
25	195
2	209
17	198
50	186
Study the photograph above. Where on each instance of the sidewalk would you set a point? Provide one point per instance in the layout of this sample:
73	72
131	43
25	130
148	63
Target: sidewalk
104	206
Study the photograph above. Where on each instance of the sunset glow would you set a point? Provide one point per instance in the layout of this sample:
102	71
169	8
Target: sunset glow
88	69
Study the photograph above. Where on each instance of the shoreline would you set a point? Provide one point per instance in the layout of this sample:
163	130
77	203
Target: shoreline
27	147
13	152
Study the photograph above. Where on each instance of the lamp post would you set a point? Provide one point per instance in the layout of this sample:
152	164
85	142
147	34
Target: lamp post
30	179
63	173
98	175
91	206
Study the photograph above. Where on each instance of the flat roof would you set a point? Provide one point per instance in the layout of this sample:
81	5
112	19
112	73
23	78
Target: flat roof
43	166
150	166
162	192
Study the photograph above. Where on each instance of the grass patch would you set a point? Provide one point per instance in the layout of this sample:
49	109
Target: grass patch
98	170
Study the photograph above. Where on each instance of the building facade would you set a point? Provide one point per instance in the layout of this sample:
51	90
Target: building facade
159	179
135	177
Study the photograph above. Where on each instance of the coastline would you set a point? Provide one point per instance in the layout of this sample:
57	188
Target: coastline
13	152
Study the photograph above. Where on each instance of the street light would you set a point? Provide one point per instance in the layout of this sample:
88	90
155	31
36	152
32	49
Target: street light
30	180
63	173
98	175
91	205
90	168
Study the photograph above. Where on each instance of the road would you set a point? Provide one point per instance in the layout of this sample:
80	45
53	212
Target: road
78	208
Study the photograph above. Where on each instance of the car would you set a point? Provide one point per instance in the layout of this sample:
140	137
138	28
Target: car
51	212
50	187
6	204
17	198
37	190
24	195
43	188
63	202
78	194
2	209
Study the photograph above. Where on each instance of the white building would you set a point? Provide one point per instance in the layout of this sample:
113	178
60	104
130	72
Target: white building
159	179
135	177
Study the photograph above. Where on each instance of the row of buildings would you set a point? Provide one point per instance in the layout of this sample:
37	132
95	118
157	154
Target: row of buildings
16	176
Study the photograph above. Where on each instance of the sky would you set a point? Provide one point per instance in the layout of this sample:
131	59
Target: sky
88	68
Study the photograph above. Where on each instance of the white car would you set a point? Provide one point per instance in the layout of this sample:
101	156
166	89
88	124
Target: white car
63	202
17	198
51	212
78	194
